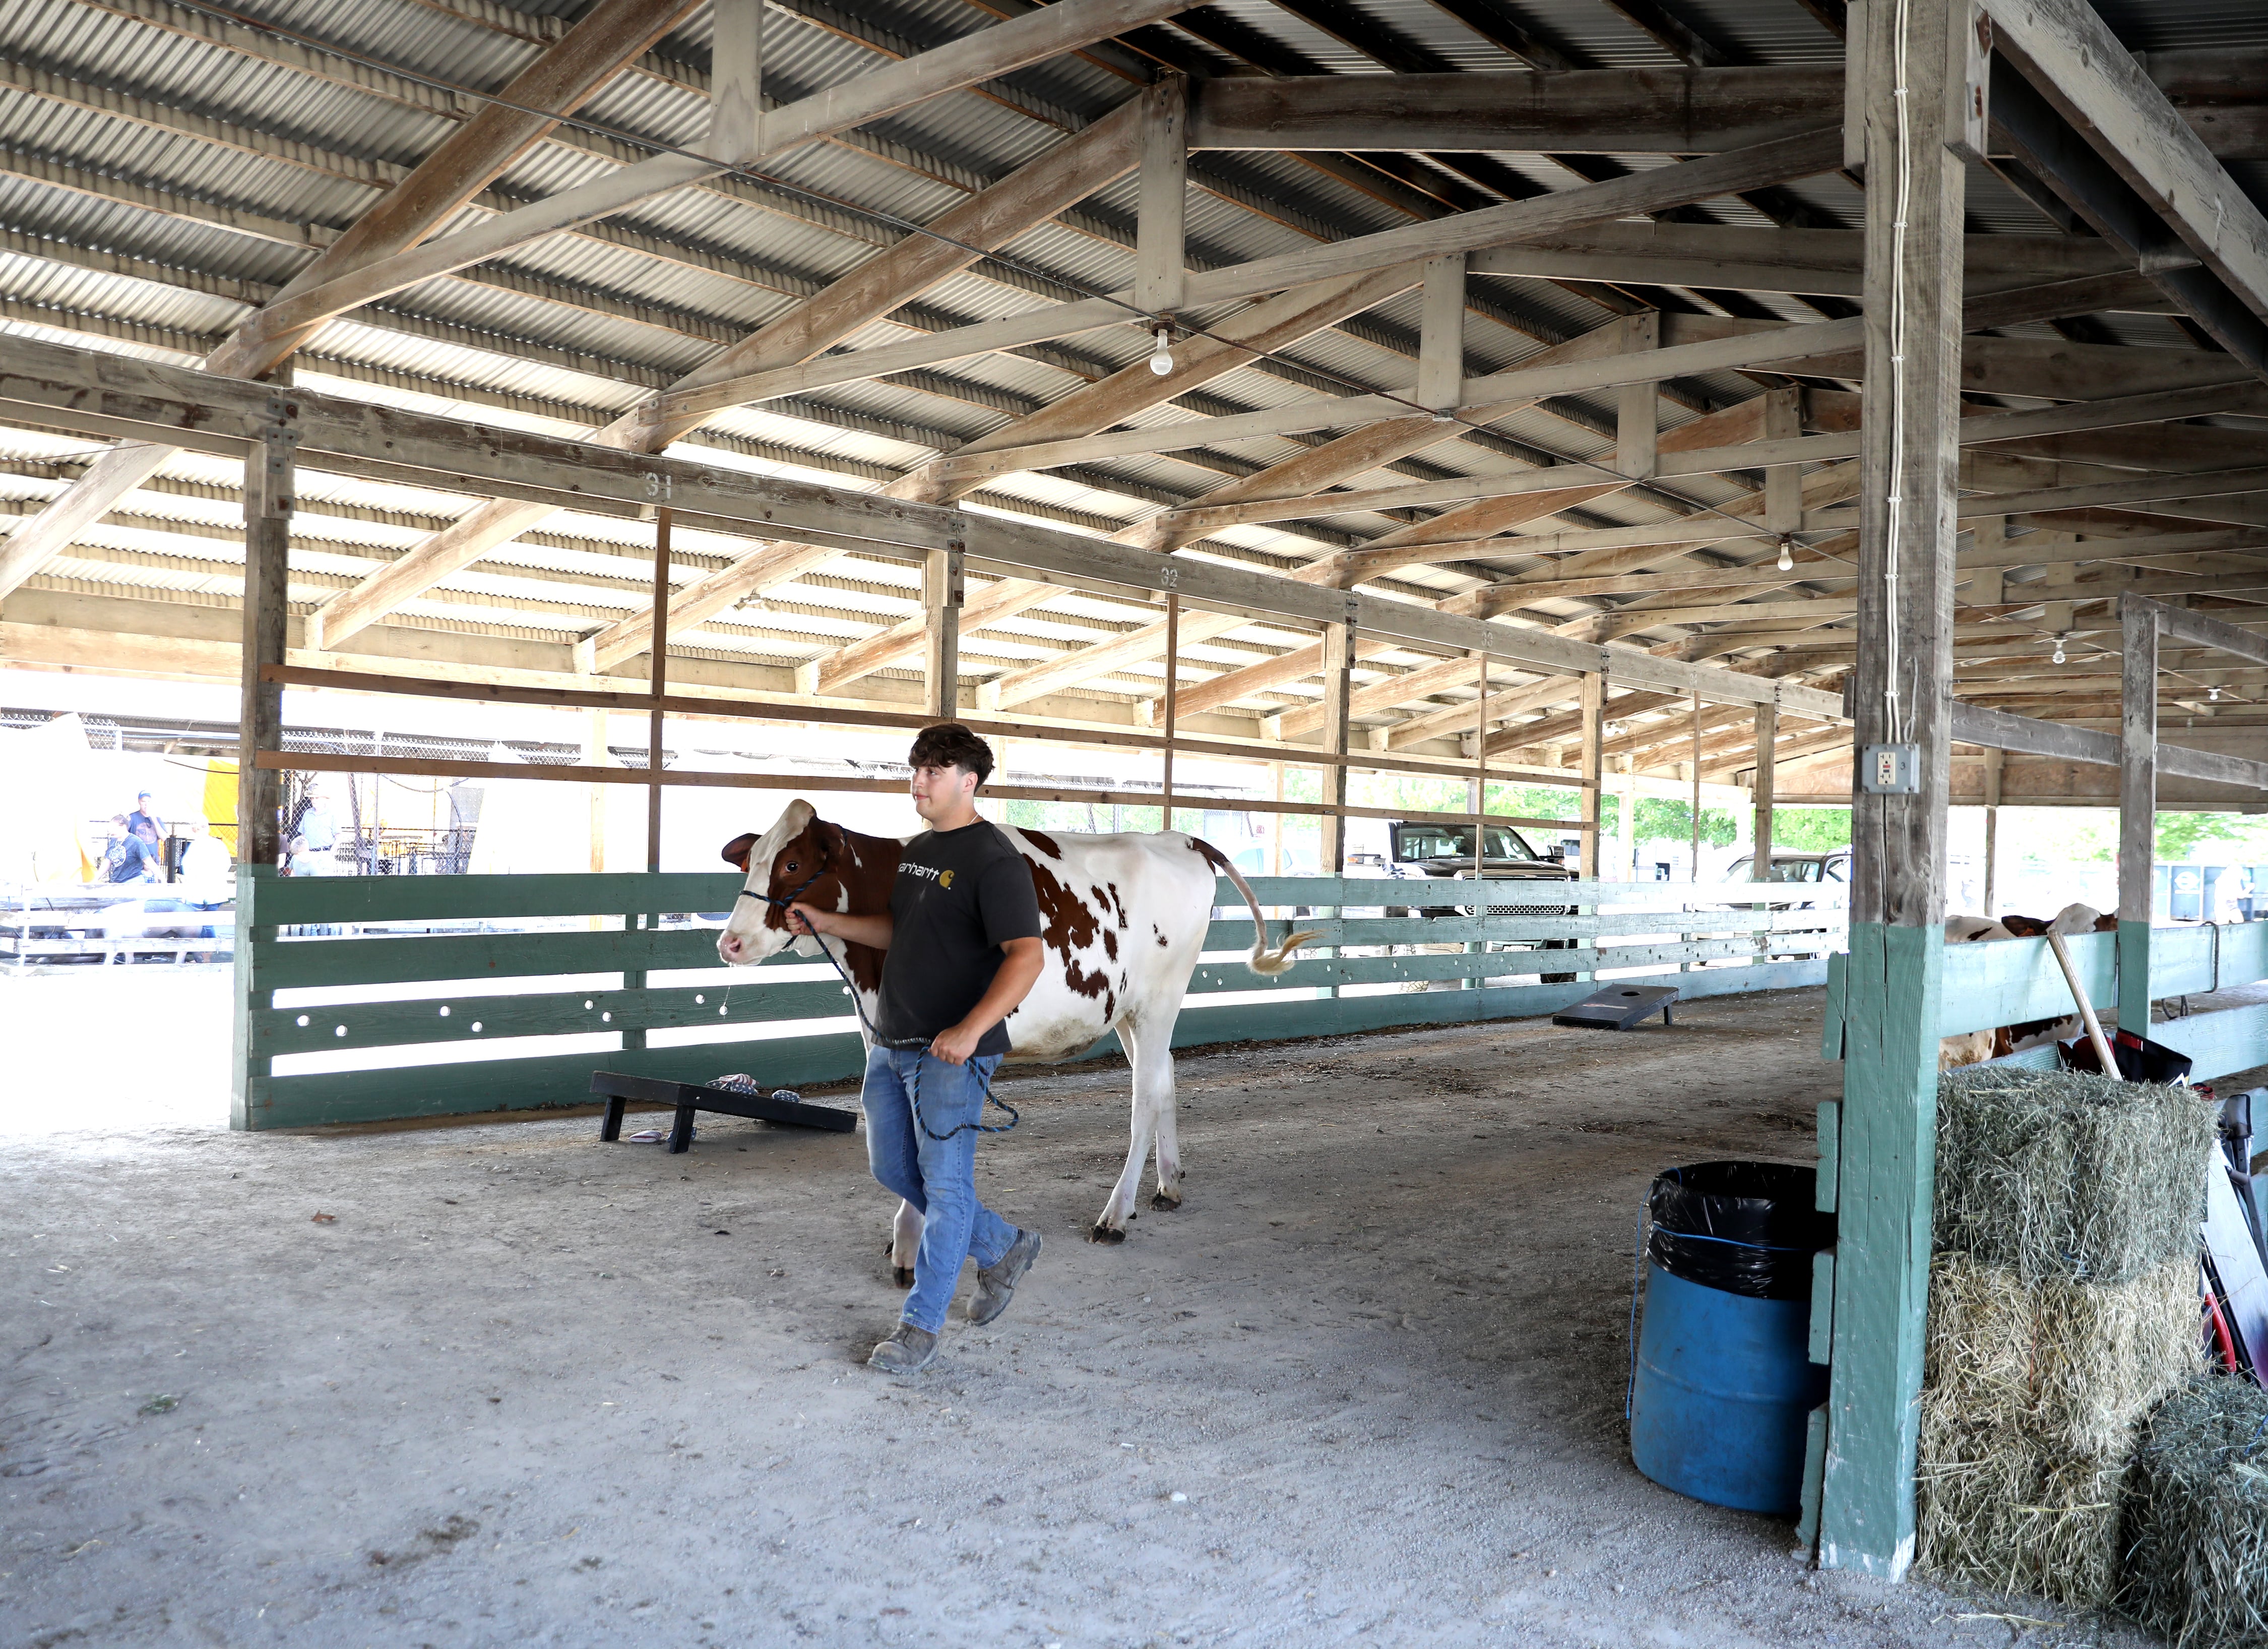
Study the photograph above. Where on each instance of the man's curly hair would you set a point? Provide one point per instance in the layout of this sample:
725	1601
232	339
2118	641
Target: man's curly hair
950	745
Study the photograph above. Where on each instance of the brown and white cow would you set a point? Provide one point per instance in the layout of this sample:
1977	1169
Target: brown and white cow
1123	918
1974	1047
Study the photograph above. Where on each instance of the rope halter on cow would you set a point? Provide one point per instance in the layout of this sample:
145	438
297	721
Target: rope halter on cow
899	1044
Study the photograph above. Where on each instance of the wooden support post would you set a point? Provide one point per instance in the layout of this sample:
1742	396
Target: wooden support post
1884	1163
1767	778
1338	689
1172	674
942	579
268	484
268	471
736	83
1693	872
596	737
1624	866
1693	862
1441	334
1592	713
2137	809
660	686
1636	411
1276	821
1783	483
1994	761
1480	768
1160	263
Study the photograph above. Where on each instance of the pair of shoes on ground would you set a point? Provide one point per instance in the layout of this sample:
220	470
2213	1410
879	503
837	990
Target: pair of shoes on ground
910	1350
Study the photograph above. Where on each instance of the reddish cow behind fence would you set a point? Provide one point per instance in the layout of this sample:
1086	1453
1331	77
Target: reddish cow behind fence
1974	1047
1123	919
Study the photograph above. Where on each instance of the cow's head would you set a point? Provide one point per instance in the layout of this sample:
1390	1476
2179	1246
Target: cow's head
801	856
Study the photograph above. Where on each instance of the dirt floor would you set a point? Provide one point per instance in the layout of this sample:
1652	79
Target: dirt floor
499	1384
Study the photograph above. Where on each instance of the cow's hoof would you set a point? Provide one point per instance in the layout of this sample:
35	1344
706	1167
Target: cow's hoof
1166	1200
1103	1232
901	1275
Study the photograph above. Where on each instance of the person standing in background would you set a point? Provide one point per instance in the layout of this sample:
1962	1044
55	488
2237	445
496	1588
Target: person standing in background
314	834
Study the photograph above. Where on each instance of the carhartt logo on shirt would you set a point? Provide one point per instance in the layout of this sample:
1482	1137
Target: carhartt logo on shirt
944	879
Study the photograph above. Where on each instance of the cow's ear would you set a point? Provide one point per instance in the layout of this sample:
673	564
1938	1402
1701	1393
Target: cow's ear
736	851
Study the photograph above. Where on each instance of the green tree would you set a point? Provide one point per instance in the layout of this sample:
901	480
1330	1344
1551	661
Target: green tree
1810	830
2180	835
1664	818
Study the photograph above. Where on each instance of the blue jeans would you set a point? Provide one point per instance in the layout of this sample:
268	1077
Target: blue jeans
937	1178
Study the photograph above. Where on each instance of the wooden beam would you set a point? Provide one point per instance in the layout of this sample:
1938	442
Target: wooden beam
1286	668
983	56
1406	688
1615	111
1819	262
1892	983
611	35
64	383
1161	264
1271	324
2071	56
1660	189
1035	192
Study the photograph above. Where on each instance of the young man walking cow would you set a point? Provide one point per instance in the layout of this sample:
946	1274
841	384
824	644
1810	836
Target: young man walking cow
961	949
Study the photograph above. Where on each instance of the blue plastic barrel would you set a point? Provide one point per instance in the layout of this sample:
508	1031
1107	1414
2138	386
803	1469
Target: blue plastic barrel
1724	1383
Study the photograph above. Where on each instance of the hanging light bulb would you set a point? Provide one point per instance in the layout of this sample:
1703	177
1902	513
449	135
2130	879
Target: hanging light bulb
1161	359
2214	694
1786	556
2059	652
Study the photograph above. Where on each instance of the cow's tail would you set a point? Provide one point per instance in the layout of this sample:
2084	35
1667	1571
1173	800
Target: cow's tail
1263	960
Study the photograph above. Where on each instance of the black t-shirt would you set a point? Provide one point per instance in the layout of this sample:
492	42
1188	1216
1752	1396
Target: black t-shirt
959	896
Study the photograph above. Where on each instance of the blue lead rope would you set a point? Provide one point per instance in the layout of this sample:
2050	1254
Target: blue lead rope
899	1044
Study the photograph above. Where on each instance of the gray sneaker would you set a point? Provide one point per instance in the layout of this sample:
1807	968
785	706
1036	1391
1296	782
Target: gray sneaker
908	1350
996	1284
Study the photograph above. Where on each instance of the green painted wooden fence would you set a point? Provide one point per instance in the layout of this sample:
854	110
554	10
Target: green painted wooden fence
450	996
2009	981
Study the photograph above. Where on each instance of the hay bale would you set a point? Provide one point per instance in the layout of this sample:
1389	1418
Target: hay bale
2072	1366
2060	1174
1996	1510
2196	1570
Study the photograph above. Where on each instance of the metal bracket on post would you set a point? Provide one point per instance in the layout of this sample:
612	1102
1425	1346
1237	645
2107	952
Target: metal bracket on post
279	444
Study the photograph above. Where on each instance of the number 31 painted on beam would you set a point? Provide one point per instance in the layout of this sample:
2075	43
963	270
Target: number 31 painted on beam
658	485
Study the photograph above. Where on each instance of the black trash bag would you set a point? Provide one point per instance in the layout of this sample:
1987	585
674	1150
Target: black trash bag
1746	1227
2139	1060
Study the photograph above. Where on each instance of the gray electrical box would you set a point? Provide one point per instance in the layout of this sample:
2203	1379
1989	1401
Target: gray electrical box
1890	770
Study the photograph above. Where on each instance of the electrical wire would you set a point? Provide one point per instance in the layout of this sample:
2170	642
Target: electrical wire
752	173
1896	520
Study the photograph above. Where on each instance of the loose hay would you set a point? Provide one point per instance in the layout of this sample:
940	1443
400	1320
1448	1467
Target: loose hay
2073	1366
2197	1570
2060	1174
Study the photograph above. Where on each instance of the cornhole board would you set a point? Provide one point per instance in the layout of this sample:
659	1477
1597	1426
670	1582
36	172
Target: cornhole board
618	1087
1619	1007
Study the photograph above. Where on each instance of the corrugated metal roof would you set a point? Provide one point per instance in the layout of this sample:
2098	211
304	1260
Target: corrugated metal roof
116	231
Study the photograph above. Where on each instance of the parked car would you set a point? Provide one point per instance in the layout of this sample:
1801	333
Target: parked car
1832	866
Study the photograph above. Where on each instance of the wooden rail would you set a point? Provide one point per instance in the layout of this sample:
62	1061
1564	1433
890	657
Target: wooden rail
487	985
